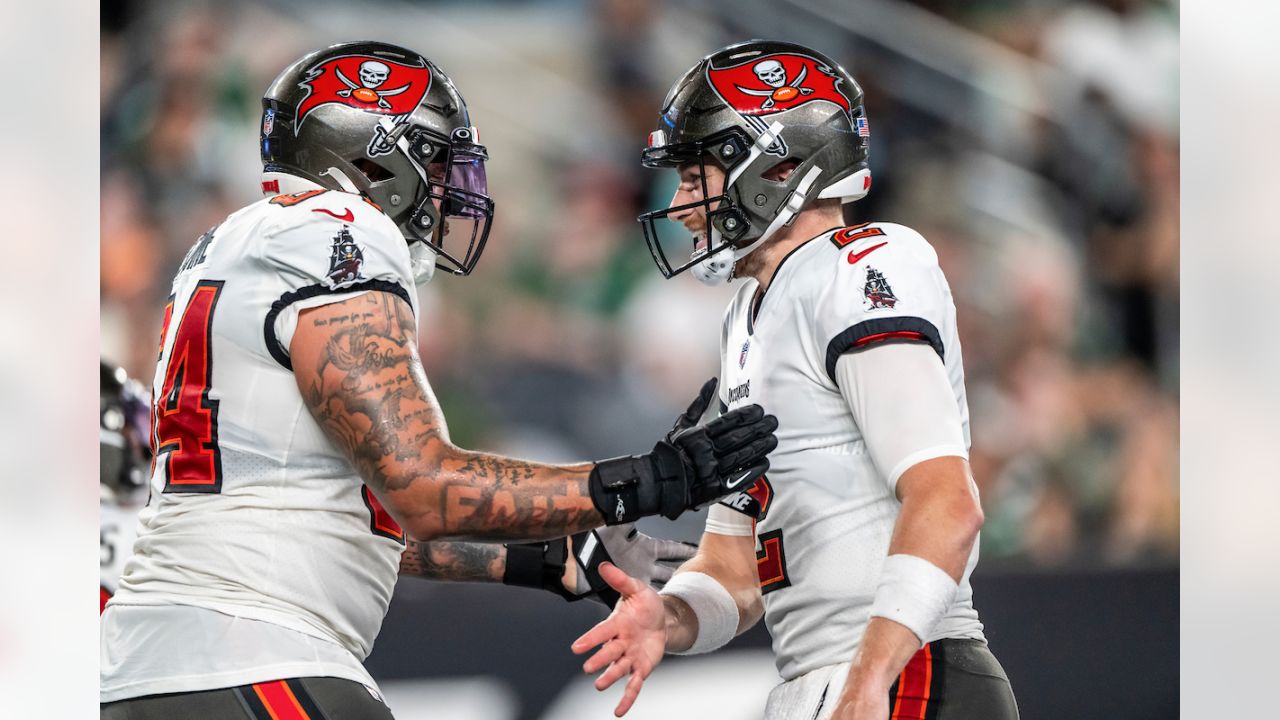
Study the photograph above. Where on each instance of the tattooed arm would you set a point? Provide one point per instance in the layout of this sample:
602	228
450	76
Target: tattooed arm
458	561
356	364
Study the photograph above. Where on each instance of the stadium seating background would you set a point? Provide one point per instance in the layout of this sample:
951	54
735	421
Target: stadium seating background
1035	143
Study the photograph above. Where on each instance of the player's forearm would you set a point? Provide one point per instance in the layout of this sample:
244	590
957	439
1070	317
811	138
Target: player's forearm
883	651
940	517
939	523
485	497
683	627
454	561
681	624
725	560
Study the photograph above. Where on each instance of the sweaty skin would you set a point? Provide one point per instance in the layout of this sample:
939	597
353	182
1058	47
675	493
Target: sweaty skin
356	364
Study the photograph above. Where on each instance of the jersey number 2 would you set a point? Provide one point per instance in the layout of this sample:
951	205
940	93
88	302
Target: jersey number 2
186	419
771	560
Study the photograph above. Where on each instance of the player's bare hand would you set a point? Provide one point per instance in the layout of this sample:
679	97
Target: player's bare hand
631	640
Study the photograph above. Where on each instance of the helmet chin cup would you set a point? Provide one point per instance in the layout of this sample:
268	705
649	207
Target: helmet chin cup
422	261
717	267
714	271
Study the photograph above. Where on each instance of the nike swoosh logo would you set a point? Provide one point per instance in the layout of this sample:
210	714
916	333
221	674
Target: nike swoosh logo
854	257
735	483
347	217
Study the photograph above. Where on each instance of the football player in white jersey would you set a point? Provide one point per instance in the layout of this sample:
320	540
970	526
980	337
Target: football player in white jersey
856	548
123	458
301	459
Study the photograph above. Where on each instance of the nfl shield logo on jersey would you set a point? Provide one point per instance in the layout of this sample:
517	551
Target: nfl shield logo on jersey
742	356
345	259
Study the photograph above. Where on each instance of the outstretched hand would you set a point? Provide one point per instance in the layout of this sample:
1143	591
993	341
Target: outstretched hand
632	639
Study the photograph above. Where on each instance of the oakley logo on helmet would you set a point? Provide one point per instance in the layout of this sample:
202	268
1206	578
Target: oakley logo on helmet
365	83
776	83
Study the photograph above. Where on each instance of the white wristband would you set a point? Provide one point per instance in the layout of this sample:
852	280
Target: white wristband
914	592
714	607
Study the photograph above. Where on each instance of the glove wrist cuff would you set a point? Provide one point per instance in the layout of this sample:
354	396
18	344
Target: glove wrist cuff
537	565
624	489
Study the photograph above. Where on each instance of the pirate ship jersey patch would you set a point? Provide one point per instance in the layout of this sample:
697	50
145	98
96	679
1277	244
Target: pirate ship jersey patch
877	291
345	260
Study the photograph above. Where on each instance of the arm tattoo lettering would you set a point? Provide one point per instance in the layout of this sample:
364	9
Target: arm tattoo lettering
363	382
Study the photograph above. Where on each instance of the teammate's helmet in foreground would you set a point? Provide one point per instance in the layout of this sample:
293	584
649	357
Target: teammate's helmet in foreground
382	121
750	107
124	452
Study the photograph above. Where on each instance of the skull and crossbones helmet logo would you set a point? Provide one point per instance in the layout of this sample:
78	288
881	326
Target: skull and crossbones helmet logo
372	74
777	87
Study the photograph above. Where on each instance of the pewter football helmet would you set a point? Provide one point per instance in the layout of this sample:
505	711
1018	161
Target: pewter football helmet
749	107
384	122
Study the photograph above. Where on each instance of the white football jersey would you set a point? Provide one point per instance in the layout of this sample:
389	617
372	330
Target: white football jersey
824	512
254	513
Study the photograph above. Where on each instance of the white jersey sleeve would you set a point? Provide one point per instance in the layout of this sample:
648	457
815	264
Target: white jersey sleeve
888	288
326	257
900	397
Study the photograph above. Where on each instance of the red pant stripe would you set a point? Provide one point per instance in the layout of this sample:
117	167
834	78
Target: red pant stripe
280	701
911	700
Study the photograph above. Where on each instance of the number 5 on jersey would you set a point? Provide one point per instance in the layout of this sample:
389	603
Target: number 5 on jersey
186	419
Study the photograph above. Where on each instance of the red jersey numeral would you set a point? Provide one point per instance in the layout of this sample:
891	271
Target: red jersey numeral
854	233
380	521
771	560
295	198
186	419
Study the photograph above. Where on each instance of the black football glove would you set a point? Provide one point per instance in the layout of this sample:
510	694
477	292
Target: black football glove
697	408
691	467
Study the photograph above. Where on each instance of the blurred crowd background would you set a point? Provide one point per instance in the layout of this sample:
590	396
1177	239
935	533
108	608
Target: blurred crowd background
1033	142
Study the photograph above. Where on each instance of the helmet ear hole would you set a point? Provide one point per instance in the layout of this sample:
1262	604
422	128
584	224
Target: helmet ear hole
781	171
372	170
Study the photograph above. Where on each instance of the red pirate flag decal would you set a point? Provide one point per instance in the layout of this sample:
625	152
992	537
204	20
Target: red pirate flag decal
776	83
377	85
